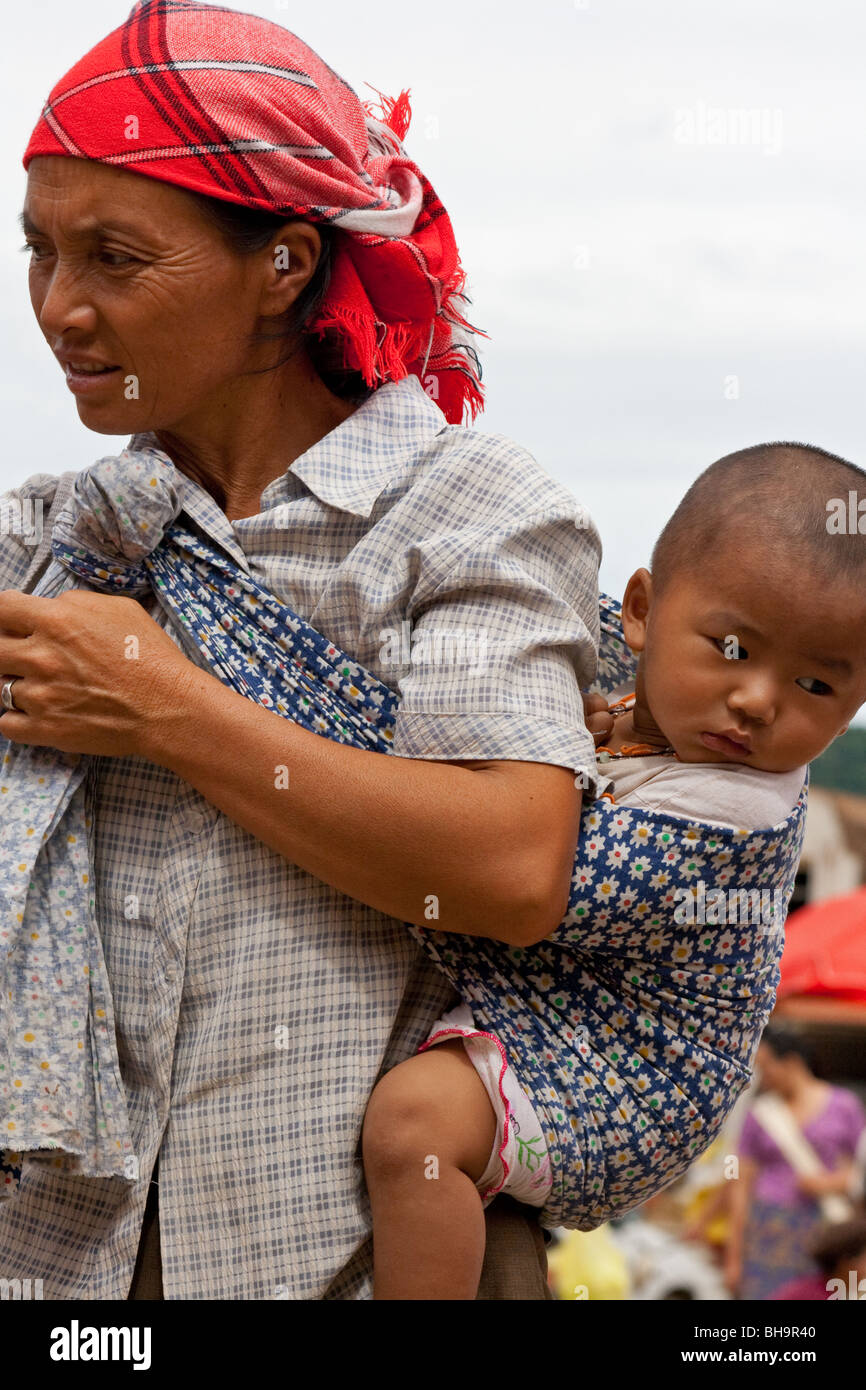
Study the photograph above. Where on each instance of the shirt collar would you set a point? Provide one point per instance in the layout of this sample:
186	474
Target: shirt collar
348	468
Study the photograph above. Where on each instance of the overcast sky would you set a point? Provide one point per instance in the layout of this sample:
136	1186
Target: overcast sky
659	204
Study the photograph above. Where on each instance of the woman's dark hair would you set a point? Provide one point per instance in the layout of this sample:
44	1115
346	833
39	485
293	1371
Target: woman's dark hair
844	1240
247	230
782	1039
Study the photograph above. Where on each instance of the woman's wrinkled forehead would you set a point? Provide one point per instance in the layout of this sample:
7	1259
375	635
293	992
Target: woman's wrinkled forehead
81	198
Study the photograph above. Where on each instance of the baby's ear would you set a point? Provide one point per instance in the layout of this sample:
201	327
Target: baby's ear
844	729
635	609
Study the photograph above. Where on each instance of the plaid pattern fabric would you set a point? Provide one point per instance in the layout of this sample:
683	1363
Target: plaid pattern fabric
255	1006
60	1087
236	107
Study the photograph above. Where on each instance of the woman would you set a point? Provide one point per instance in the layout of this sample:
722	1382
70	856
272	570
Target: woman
776	1212
239	266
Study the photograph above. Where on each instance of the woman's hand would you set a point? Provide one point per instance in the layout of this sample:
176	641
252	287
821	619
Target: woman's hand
820	1184
93	672
598	721
812	1184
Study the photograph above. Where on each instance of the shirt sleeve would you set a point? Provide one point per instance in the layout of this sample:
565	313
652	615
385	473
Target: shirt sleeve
503	641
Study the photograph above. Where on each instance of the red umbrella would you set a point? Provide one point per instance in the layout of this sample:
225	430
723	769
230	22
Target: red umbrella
825	949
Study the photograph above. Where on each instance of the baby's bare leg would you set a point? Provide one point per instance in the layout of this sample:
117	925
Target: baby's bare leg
428	1134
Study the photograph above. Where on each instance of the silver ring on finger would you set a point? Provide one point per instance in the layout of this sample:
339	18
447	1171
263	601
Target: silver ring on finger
6	695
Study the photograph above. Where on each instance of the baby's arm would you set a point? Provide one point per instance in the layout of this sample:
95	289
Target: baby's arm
428	1134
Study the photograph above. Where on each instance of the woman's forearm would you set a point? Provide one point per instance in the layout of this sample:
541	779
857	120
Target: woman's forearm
431	843
840	1179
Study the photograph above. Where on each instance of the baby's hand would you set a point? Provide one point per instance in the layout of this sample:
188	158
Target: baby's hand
598	721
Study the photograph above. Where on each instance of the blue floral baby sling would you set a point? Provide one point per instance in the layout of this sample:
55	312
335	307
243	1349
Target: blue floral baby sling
632	1028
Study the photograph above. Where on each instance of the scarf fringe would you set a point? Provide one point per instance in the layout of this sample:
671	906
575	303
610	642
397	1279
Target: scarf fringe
394	112
375	349
467	390
384	352
388	352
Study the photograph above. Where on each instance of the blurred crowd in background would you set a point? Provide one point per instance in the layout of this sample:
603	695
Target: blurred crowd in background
774	1209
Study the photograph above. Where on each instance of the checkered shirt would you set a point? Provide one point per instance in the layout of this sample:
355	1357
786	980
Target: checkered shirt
255	1005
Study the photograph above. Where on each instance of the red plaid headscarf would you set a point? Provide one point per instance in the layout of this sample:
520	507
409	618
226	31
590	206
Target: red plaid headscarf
236	107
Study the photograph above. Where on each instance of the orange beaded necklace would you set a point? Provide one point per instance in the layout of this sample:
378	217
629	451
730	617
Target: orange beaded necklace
604	754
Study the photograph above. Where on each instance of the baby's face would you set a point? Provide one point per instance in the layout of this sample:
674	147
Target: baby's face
752	661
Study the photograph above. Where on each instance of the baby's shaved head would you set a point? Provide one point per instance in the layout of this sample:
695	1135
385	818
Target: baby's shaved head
774	496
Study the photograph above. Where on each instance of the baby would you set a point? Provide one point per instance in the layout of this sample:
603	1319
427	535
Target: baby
750	630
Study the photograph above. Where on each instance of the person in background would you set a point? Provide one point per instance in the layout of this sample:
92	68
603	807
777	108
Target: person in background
775	1212
839	1250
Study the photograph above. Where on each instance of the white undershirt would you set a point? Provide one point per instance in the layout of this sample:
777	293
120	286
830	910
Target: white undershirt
729	794
724	794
